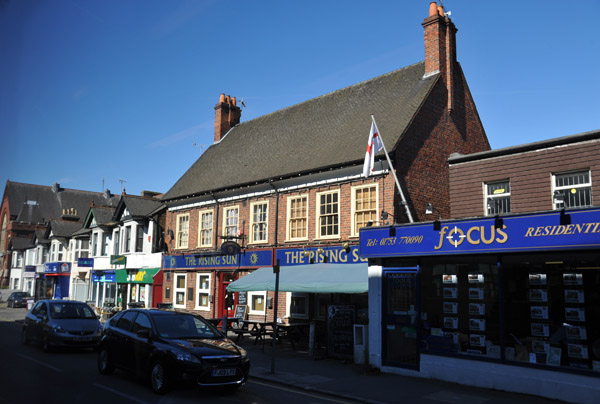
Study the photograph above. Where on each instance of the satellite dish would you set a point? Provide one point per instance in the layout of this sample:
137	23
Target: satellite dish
230	248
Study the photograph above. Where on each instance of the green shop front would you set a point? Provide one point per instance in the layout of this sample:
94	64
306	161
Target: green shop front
138	287
509	303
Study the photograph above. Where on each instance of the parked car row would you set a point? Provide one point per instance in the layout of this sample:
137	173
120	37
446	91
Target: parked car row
164	347
18	299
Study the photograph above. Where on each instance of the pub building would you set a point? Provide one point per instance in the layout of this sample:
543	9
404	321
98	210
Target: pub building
508	302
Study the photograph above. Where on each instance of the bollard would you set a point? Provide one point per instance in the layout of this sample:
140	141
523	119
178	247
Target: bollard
311	339
224	325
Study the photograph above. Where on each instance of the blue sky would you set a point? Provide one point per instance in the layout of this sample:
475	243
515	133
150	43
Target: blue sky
97	91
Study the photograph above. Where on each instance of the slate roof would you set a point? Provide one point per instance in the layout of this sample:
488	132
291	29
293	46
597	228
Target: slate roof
137	206
50	201
64	228
324	132
19	243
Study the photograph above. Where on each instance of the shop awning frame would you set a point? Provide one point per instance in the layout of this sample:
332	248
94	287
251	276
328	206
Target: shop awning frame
312	278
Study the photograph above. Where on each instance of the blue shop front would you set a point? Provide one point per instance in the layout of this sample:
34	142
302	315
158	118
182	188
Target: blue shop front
54	282
509	303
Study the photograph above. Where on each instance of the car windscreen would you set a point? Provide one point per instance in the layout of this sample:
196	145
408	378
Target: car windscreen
65	310
184	327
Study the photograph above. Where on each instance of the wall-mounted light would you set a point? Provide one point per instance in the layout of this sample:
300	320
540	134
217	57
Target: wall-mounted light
370	223
346	247
170	233
437	225
558	197
565	219
498	222
320	250
384	215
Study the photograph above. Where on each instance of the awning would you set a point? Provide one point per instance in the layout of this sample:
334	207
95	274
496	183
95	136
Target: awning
313	278
144	275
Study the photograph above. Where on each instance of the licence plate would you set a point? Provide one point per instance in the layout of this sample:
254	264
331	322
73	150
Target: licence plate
223	372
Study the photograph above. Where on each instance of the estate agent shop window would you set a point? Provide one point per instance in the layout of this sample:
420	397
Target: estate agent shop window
551	304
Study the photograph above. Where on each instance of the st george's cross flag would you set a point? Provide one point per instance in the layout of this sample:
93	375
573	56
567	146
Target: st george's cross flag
373	148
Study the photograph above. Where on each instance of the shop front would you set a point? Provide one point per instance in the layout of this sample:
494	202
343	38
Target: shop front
199	281
104	288
54	282
507	303
135	287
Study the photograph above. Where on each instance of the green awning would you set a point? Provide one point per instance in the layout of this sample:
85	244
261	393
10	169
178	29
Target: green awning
144	275
313	278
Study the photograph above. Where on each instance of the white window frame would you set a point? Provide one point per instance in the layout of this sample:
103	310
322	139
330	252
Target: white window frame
318	215
177	289
139	237
289	217
251	296
95	250
254	223
229	227
17	259
127	238
490	199
304	296
566	188
209	229
116	241
354	222
203	290
181	233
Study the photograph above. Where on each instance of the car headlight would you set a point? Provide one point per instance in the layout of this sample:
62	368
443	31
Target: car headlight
58	329
183	356
243	353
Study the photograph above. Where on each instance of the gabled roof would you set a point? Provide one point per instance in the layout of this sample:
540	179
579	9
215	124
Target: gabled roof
137	206
102	214
325	132
62	228
19	243
38	203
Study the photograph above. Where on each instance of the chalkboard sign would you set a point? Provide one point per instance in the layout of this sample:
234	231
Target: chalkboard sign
240	311
340	331
242	298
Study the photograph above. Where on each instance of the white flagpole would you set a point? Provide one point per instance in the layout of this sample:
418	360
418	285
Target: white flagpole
410	219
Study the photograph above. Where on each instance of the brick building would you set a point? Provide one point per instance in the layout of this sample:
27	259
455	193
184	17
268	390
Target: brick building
507	288
288	186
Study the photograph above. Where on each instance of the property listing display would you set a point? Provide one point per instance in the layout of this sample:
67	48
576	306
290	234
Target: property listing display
551	308
563	299
460	313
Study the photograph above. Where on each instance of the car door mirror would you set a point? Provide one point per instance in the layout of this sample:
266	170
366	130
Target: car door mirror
143	333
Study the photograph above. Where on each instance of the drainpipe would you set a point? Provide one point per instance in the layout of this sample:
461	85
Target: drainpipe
214	302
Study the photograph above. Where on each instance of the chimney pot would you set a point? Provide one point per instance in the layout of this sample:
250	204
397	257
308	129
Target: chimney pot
441	11
433	8
233	101
228	99
222	98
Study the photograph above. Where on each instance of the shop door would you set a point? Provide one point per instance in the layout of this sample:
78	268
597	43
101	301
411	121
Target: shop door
226	304
400	314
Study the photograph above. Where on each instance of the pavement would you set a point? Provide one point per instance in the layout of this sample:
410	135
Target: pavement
344	380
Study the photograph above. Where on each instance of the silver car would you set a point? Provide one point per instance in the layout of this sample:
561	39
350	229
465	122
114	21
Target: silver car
61	323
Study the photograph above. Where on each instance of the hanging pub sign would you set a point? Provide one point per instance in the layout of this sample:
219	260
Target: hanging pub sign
85	262
230	248
118	260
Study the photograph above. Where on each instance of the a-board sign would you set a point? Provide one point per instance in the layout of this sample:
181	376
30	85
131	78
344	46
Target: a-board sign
240	311
340	330
242	297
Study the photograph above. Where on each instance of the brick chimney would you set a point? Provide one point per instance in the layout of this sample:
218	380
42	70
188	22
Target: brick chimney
440	47
227	115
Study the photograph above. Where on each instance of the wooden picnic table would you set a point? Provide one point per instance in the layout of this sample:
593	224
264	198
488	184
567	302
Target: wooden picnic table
254	328
292	332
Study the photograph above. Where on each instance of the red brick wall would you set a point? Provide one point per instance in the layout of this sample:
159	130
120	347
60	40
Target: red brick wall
436	133
530	175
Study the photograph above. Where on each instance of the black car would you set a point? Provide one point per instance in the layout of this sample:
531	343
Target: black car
167	346
18	299
61	323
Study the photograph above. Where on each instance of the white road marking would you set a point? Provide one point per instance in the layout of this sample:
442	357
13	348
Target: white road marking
39	362
127	396
320	397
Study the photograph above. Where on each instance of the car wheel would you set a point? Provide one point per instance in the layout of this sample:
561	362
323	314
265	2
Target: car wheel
24	339
158	378
105	365
46	347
